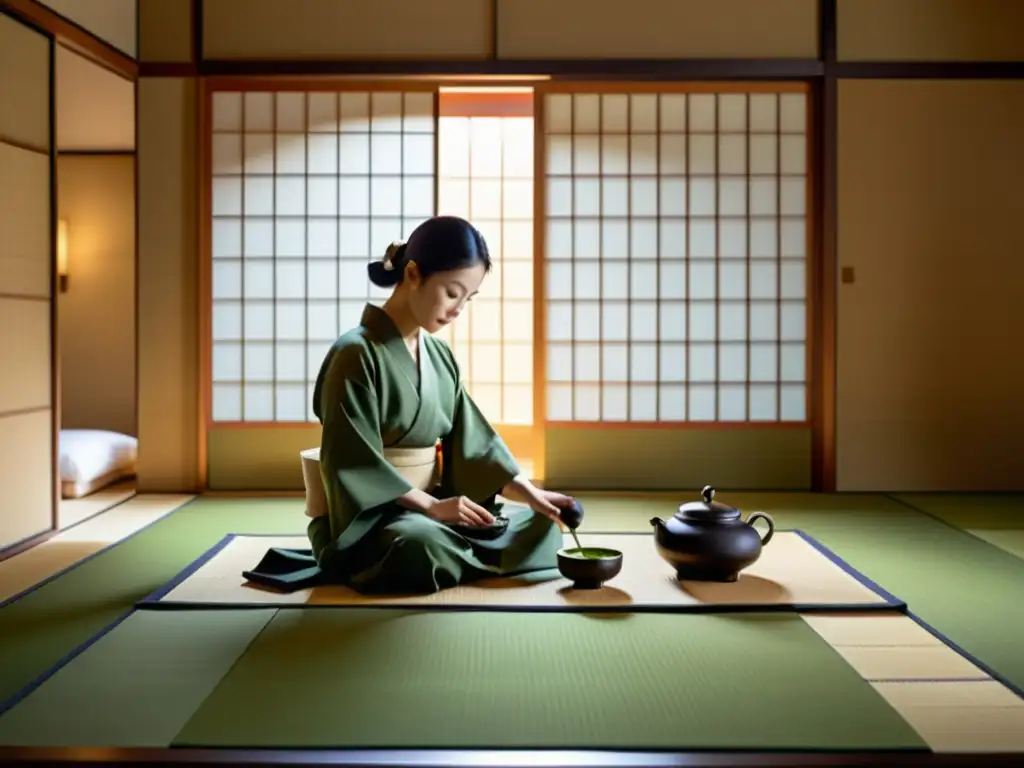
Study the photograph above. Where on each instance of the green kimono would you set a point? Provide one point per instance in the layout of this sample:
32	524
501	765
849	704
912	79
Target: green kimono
370	395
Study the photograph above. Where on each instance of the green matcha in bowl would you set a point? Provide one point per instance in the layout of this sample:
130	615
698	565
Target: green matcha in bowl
589	567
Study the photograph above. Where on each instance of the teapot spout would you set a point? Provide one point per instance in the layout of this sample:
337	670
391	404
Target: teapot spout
657	523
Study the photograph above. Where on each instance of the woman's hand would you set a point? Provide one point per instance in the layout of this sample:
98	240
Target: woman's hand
547	503
460	510
550	504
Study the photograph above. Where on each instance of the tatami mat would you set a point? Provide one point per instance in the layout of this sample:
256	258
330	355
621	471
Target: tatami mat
910	663
136	686
1008	541
974	597
33	566
74	511
970	511
793	572
953	704
850	630
994	518
968	729
359	678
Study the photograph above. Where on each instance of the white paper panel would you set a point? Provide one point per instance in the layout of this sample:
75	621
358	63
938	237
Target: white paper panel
308	188
24	85
24	354
484	178
25	244
676	246
28	482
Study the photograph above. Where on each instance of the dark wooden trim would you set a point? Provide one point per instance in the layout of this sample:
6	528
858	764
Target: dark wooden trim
73	36
62	756
204	275
23	546
136	280
167	69
197	31
492	30
825	215
585	69
94	152
929	70
55	286
604	69
138	33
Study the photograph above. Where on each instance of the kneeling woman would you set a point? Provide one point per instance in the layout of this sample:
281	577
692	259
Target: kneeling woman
388	387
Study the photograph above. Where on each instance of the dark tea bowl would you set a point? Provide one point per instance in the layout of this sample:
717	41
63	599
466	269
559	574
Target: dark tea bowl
589	567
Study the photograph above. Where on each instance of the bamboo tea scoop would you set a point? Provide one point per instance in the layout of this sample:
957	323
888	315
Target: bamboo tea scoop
573	518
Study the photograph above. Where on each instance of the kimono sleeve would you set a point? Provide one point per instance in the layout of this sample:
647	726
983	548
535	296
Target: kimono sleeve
356	475
476	462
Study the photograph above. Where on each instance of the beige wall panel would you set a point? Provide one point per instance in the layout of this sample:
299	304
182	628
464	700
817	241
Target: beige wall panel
111	20
24	85
25	229
922	30
97	314
267	459
656	29
27	509
930	373
168	397
309	29
165	30
95	107
670	459
258	459
24	355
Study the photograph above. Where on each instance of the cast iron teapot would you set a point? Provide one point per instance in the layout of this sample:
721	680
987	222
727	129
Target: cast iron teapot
708	541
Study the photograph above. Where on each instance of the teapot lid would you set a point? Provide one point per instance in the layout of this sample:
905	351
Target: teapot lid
707	509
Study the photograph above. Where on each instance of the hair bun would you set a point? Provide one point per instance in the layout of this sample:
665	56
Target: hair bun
394	254
388	272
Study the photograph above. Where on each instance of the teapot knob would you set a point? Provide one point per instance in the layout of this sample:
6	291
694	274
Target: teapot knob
708	493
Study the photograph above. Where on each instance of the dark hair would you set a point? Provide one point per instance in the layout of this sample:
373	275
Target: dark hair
440	244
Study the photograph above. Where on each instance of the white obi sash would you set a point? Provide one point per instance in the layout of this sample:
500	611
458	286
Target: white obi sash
419	466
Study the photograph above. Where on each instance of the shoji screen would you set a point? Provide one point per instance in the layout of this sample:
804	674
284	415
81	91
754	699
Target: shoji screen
675	286
676	249
26	283
307	188
485	174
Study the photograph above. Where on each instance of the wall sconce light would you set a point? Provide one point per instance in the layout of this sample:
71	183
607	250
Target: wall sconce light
62	255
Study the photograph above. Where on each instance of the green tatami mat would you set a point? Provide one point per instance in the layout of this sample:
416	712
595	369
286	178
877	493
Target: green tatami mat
40	629
964	587
138	685
970	511
393	679
1008	541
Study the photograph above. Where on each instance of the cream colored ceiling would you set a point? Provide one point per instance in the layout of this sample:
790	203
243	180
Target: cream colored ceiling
95	107
110	20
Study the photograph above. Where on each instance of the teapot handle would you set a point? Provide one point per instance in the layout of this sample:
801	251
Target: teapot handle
768	519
